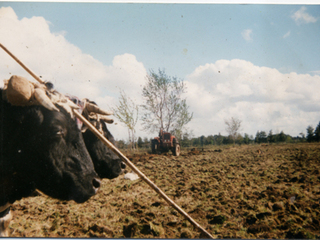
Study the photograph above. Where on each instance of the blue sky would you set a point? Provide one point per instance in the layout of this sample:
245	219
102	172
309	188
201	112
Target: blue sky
180	37
269	55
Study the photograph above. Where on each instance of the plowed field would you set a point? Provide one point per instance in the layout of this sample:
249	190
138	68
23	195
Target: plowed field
270	191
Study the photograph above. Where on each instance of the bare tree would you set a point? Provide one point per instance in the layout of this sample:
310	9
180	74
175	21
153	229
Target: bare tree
233	126
163	105
127	112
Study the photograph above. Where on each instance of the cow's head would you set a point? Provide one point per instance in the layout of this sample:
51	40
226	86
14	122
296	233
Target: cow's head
47	148
54	156
106	163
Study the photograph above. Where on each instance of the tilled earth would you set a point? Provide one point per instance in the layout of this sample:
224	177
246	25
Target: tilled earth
269	191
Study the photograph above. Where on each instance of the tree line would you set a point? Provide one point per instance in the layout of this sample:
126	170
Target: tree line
232	127
313	135
218	140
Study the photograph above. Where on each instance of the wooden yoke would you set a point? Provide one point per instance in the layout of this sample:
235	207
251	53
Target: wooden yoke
120	155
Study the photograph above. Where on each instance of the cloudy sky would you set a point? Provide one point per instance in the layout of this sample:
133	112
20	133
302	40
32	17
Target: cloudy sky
259	63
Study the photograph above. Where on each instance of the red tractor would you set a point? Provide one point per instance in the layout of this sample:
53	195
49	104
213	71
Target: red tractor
165	142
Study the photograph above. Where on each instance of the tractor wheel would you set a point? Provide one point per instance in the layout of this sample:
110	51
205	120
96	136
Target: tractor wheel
176	150
154	146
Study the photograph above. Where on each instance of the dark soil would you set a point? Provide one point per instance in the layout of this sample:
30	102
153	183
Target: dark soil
270	191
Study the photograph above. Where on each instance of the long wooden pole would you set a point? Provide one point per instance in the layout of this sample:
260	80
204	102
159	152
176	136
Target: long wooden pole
120	155
21	64
139	173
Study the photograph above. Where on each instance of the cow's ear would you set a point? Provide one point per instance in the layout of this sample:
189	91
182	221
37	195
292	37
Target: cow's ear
106	131
34	117
84	128
104	126
39	117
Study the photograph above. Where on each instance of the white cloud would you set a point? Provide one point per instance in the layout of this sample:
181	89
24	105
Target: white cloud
263	98
126	73
315	72
301	17
246	34
287	34
51	56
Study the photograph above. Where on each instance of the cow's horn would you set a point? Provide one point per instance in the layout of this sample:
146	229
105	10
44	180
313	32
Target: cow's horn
44	100
106	119
94	108
72	104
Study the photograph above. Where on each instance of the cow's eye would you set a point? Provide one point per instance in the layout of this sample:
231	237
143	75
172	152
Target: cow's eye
60	133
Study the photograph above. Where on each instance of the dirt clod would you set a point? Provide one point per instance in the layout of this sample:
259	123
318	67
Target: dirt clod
277	206
257	228
130	230
219	219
